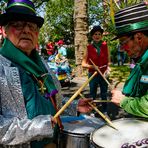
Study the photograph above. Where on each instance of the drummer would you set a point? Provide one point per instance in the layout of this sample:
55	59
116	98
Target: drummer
29	90
132	31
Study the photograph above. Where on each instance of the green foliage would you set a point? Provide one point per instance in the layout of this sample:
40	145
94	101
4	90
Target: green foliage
120	73
95	11
2	5
58	21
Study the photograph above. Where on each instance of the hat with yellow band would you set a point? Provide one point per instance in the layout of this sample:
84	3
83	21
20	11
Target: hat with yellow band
131	19
21	10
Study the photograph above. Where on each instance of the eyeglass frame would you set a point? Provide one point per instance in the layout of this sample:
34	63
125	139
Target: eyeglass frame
126	41
24	24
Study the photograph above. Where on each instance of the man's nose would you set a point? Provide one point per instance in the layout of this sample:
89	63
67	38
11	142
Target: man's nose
26	27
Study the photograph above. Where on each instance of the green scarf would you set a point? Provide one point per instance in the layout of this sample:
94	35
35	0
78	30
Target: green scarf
33	64
132	85
97	45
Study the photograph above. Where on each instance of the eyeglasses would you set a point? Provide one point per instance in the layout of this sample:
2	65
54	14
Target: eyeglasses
19	25
123	43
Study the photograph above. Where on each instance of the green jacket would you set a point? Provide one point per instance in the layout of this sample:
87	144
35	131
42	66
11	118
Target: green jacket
136	89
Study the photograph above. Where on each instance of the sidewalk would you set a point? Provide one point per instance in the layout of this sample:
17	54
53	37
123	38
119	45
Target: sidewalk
76	83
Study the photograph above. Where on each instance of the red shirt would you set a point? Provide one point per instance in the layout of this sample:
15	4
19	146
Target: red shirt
101	59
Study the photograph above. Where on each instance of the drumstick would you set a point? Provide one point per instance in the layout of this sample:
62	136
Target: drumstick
74	96
101	73
100	113
100	101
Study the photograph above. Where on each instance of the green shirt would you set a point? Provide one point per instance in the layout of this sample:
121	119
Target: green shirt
136	89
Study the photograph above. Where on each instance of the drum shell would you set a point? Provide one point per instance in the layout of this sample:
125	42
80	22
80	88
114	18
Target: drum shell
70	140
78	139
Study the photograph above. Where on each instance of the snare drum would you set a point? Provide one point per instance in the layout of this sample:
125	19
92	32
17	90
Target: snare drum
76	132
131	133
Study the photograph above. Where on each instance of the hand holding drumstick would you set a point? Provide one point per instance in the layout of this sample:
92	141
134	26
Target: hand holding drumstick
101	114
117	95
74	96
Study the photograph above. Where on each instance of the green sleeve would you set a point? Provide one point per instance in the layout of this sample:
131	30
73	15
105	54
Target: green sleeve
136	105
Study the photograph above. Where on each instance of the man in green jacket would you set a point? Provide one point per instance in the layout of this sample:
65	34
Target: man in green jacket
132	31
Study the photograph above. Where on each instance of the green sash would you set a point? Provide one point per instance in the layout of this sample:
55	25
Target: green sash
32	64
132	85
97	46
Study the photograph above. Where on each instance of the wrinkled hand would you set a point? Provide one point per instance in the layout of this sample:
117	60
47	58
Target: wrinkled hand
83	105
117	96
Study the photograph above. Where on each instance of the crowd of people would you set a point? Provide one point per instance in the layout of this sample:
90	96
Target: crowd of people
30	93
58	61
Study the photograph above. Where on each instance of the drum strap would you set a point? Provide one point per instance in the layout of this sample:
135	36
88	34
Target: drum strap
58	118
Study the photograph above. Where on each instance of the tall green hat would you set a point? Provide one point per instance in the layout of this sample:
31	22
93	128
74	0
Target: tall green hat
20	10
131	19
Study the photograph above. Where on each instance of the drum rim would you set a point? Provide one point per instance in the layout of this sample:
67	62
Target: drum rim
75	134
91	135
86	118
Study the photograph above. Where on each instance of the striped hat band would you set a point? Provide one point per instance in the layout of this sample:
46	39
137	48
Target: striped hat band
131	18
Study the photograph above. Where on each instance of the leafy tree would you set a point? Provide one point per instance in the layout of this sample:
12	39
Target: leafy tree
58	21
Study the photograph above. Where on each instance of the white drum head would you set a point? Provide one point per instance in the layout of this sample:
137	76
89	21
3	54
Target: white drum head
81	125
130	133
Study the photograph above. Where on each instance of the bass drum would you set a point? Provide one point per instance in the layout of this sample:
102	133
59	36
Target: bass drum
77	130
130	133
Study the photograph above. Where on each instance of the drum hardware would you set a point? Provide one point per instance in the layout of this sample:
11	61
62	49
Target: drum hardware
74	96
77	131
101	114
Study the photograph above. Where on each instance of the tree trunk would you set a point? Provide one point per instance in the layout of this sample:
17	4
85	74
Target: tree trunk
81	31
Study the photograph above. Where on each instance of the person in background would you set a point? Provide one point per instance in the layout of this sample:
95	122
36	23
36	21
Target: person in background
132	31
62	60
50	48
61	49
120	55
98	52
29	91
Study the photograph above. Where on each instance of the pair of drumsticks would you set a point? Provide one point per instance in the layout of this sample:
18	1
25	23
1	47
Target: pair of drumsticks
78	92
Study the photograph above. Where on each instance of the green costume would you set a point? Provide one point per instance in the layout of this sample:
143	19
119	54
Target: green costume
136	89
